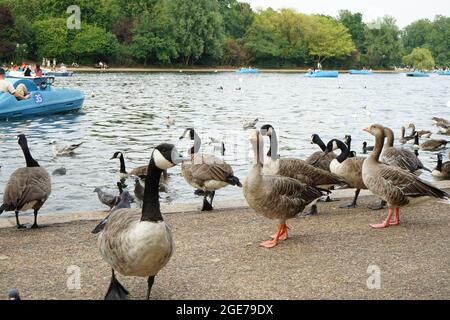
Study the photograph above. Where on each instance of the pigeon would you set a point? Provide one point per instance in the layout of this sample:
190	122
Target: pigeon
108	199
124	203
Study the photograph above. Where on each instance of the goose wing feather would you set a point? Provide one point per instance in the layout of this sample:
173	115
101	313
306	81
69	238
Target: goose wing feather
402	158
302	171
318	160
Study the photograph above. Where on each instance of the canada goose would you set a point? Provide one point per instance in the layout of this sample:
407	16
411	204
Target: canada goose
404	139
317	159
367	148
247	124
27	188
123	174
13	294
394	185
66	150
442	124
347	168
348	142
429	145
275	197
135	242
295	168
206	172
124	202
108	199
442	170
401	158
422	133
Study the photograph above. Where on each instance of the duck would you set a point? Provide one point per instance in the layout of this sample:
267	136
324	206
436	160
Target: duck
442	169
295	168
318	159
429	145
206	172
138	242
396	186
400	157
108	199
276	197
347	168
422	133
249	124
366	148
27	188
65	150
404	139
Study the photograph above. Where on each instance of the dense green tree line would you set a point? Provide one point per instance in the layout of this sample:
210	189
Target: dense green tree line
211	33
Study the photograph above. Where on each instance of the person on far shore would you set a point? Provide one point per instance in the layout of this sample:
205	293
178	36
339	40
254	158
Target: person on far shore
21	92
38	71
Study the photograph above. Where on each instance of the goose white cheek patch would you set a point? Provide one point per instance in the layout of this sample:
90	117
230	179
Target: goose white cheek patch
161	161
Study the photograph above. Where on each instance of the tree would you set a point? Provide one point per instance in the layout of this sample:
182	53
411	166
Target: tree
92	44
384	47
237	17
234	54
356	27
154	37
417	34
7	46
327	38
439	40
198	29
420	59
51	38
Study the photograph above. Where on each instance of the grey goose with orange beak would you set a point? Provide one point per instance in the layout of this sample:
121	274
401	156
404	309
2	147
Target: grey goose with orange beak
138	243
205	172
27	188
296	168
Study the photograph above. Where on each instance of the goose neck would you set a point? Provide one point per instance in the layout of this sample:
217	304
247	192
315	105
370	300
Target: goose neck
320	143
31	163
122	164
151	210
273	150
378	149
345	151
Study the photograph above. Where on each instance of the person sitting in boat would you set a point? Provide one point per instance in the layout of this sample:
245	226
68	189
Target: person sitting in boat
21	92
27	72
38	71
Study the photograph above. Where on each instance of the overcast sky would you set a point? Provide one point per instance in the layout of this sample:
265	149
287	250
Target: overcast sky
403	10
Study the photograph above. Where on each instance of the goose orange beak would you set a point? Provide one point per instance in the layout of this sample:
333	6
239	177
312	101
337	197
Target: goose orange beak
366	130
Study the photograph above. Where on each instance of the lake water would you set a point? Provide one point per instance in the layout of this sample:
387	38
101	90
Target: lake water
127	112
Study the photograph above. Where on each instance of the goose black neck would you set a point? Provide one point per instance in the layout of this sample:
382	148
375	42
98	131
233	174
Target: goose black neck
122	164
197	144
273	150
320	143
31	163
151	210
349	143
439	164
416	139
345	151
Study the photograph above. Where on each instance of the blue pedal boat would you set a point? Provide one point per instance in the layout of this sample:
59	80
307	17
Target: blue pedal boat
45	99
444	73
57	73
247	70
322	74
417	74
360	72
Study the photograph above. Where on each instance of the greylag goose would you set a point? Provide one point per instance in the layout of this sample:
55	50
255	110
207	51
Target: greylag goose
442	169
138	243
296	168
250	124
394	185
422	133
206	172
275	197
27	188
442	124
347	168
404	139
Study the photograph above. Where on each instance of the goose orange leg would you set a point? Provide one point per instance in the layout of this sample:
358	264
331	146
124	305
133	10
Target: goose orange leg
386	223
283	237
397	218
282	231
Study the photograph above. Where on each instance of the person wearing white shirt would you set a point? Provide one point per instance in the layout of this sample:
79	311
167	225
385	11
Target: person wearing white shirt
21	92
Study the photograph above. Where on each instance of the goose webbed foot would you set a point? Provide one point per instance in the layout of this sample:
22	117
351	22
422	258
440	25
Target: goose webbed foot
313	211
116	290
21	226
207	206
388	222
283	236
282	232
199	193
379	205
34	226
151	281
348	206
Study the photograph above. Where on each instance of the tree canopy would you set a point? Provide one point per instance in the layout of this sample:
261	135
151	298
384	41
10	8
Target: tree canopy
211	33
420	58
